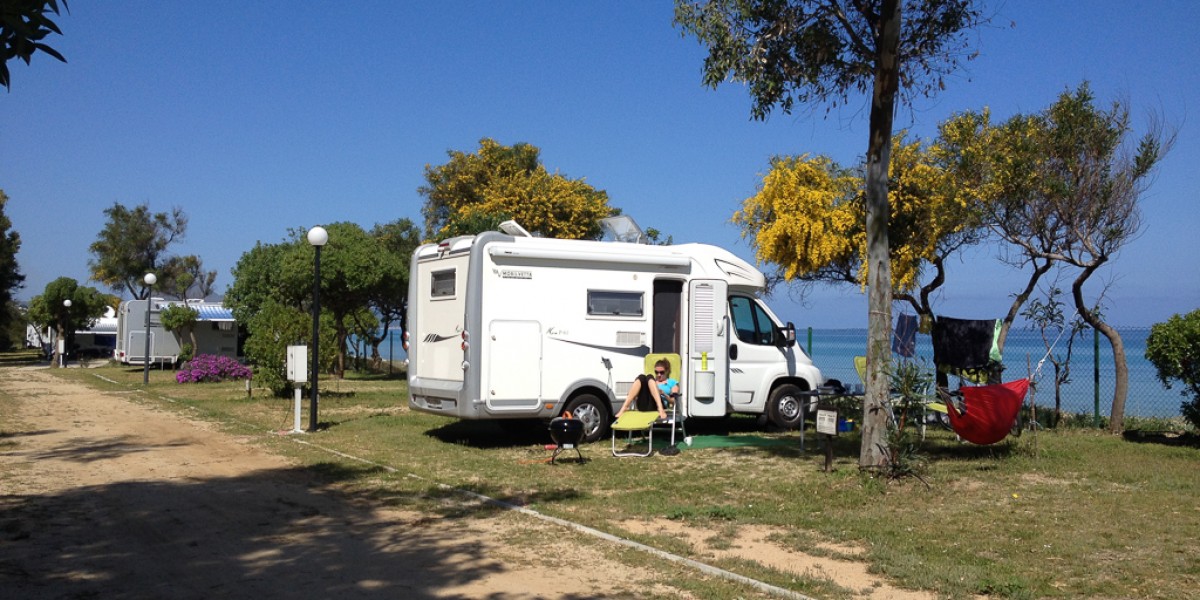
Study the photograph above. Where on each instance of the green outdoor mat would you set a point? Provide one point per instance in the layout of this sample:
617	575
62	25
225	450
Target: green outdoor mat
734	441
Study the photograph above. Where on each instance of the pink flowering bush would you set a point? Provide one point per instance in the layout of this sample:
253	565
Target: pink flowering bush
209	367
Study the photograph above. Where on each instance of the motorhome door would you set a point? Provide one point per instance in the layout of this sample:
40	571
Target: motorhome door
514	381
136	346
707	358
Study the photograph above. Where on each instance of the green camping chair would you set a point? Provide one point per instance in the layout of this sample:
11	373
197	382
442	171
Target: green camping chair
638	422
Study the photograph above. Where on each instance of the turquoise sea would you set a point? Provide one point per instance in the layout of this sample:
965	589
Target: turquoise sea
833	351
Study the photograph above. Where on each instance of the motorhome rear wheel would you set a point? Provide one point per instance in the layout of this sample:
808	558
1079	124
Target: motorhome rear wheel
592	412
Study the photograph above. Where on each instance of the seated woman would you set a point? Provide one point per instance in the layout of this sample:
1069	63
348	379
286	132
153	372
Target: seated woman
649	397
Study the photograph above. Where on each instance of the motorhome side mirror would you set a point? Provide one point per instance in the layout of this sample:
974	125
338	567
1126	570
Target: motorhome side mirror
787	336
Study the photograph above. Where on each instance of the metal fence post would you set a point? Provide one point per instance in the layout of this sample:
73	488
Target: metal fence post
810	341
1096	376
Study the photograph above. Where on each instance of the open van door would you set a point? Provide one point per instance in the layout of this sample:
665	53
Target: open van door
708	348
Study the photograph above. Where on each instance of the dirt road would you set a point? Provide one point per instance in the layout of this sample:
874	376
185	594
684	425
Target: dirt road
107	498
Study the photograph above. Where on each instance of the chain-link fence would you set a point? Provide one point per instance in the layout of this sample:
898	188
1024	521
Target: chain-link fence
390	360
1087	392
1090	374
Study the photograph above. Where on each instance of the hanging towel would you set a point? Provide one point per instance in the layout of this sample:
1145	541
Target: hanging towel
966	343
904	342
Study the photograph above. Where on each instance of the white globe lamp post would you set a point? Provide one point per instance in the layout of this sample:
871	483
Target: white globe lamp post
318	237
62	340
150	280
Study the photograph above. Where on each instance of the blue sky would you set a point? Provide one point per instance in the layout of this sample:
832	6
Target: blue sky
255	117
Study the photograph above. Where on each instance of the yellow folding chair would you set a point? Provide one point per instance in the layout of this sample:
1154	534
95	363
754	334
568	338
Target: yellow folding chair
630	422
635	421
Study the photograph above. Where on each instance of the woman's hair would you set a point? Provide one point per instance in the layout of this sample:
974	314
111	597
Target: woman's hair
665	364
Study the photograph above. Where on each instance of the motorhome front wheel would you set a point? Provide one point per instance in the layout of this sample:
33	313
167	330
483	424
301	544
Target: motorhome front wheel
785	407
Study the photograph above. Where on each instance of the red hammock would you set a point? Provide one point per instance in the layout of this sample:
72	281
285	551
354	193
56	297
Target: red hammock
990	411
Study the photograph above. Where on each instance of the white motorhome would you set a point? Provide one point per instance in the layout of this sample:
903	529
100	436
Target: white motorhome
216	332
507	326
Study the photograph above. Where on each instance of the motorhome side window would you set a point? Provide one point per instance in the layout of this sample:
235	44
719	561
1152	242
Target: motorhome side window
442	285
614	304
750	321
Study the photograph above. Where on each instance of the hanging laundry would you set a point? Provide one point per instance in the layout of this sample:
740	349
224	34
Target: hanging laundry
904	341
965	344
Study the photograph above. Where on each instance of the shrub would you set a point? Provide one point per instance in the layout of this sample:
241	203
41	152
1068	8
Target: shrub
275	326
1174	348
211	368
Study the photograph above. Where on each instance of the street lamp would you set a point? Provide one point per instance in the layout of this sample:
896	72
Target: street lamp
62	339
318	237
150	280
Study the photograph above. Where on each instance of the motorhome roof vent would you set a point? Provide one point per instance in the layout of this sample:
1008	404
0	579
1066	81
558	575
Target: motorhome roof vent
622	228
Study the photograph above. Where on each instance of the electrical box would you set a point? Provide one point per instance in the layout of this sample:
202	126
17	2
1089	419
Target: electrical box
297	364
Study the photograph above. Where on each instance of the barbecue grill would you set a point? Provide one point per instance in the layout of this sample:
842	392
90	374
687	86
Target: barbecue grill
566	433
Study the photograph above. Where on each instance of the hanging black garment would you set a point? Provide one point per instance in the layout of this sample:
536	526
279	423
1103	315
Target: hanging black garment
966	344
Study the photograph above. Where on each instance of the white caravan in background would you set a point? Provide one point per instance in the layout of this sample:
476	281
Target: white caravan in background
507	326
216	332
95	341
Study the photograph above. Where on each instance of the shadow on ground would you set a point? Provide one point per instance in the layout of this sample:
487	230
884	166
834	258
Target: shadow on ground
1164	438
515	433
273	533
508	433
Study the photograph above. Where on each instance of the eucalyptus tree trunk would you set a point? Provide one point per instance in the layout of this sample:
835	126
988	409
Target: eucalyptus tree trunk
1116	421
56	356
1019	300
340	366
879	270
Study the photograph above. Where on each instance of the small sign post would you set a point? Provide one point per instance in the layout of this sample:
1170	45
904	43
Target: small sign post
827	422
827	425
297	373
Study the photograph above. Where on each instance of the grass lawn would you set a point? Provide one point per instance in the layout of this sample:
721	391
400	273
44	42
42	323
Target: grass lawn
1075	513
21	357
